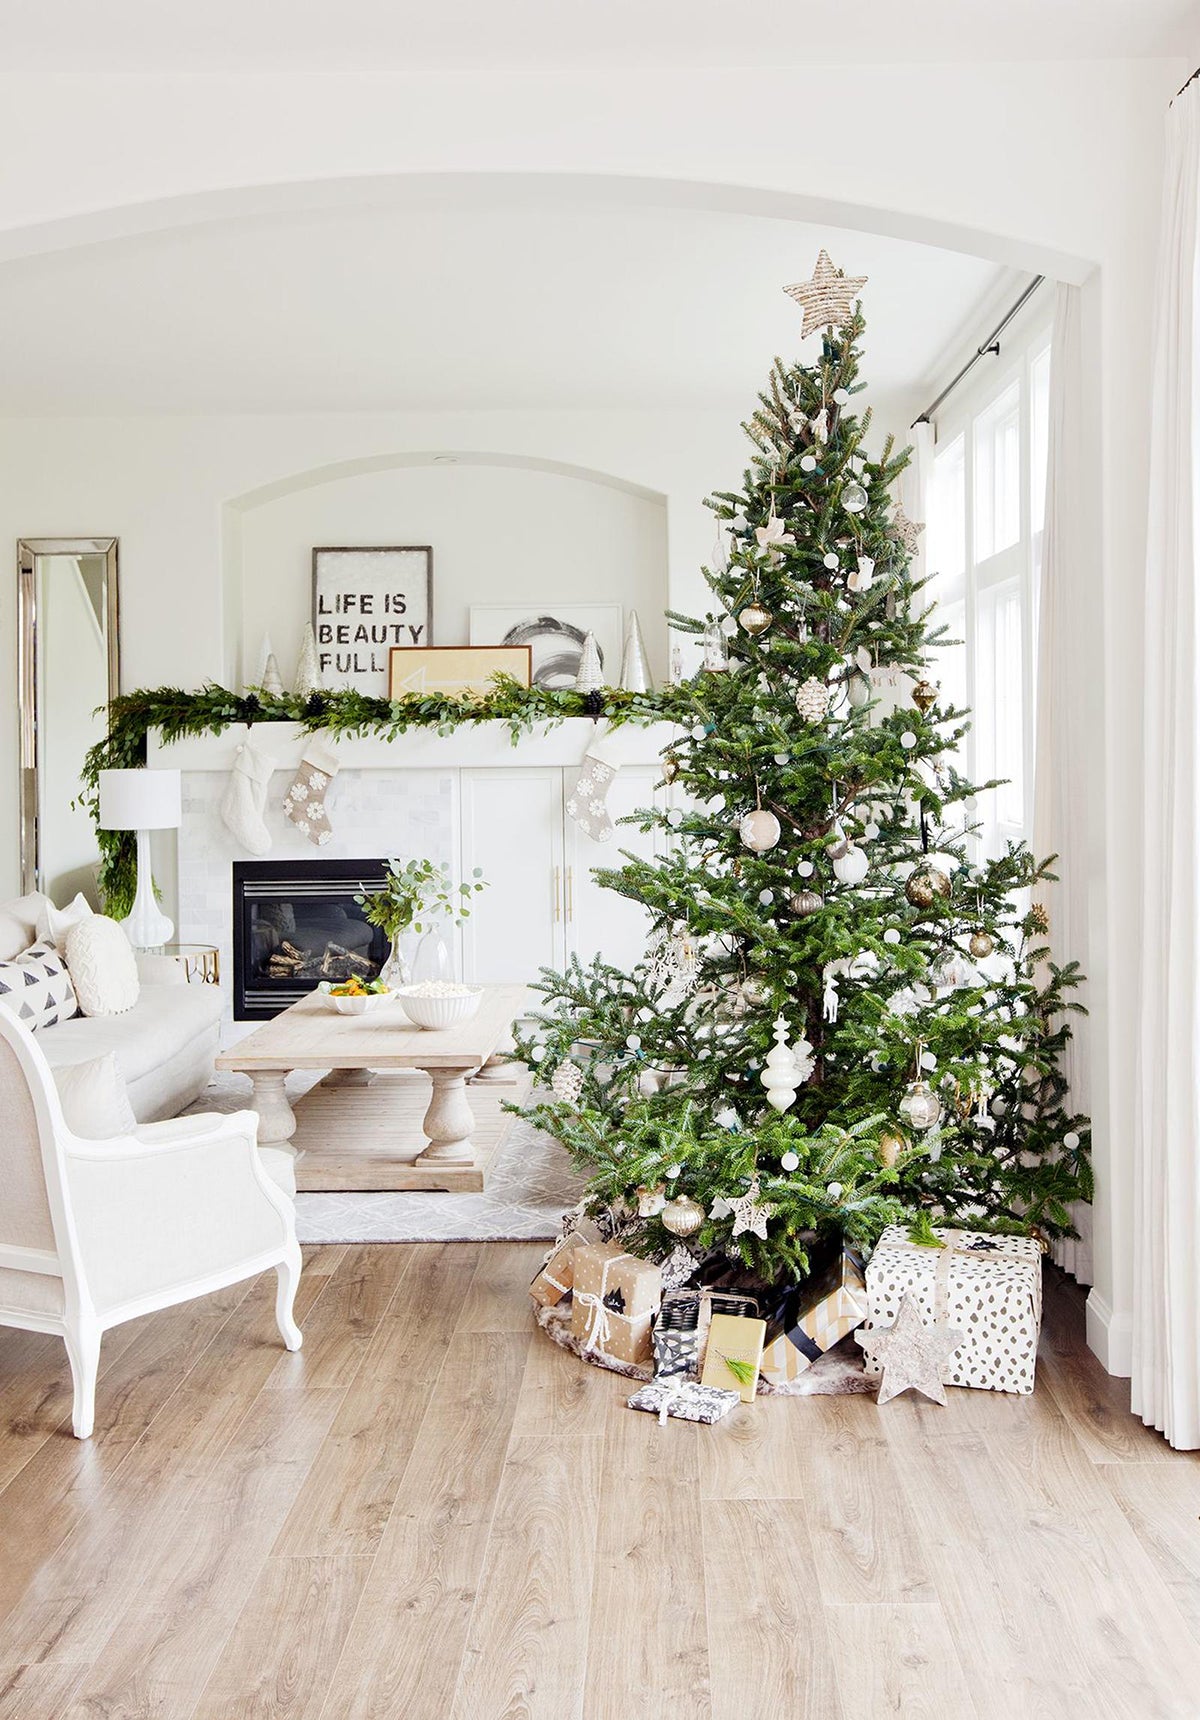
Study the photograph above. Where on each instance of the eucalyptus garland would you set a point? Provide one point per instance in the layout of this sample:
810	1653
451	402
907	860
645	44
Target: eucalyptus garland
177	714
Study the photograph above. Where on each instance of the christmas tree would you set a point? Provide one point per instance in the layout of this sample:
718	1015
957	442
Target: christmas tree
845	1016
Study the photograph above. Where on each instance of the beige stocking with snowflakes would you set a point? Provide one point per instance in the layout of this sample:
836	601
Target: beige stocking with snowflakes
304	802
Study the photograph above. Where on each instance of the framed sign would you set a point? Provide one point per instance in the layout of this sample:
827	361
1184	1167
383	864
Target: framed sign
456	668
367	603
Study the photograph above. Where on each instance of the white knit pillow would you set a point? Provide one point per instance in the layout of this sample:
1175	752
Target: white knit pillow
103	967
94	1099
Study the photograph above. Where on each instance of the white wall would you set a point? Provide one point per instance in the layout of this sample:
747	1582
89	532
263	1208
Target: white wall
500	534
1041	165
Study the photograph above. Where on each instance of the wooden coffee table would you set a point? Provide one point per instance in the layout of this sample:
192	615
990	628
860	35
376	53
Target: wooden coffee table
356	1116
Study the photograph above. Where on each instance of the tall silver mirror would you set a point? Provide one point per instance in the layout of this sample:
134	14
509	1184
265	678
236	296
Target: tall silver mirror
69	670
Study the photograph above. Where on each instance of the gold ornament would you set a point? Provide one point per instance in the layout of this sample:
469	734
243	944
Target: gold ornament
924	696
806	902
825	299
890	1148
759	830
982	944
651	1201
925	885
670	768
755	619
920	1105
1038	919
682	1216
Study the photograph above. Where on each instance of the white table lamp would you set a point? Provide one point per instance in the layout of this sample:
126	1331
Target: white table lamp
142	800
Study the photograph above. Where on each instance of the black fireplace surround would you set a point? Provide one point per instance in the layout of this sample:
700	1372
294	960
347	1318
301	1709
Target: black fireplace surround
296	923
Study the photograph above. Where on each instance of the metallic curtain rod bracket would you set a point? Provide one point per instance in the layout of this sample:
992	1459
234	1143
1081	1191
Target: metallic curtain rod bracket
990	345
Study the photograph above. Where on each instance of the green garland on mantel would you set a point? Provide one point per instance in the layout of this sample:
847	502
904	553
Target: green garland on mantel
178	714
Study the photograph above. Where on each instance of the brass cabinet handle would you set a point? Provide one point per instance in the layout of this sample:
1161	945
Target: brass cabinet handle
570	892
557	894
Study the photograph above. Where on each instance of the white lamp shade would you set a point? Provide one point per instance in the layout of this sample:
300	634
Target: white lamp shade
139	800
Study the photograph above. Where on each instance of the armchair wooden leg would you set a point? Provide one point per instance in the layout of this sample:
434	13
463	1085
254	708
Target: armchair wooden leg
288	1274
83	1353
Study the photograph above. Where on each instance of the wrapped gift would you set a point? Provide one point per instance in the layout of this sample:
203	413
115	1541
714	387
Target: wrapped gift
557	1273
813	1316
990	1287
734	1353
685	1399
682	1326
615	1296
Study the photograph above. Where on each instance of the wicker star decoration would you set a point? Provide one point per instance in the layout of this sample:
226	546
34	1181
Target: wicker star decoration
750	1213
911	1354
826	298
906	531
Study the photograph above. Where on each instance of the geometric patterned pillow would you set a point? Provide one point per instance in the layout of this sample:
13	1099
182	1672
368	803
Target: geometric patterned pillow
37	989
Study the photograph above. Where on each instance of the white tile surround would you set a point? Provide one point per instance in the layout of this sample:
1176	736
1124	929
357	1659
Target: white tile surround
389	797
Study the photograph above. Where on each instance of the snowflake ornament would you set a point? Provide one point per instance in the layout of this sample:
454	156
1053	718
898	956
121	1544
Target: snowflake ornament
750	1214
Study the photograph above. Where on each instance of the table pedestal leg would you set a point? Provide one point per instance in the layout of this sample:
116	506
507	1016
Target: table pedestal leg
348	1078
276	1119
448	1121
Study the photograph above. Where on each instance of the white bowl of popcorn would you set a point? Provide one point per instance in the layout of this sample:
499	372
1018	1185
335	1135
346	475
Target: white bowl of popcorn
439	1003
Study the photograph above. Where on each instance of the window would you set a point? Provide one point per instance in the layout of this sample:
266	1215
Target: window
985	502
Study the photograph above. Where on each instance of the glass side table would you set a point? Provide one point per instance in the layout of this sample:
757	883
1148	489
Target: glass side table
201	963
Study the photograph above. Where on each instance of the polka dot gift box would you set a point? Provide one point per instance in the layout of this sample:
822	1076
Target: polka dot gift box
989	1287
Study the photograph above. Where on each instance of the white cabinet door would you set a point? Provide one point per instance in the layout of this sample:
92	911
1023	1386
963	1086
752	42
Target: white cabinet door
512	828
601	922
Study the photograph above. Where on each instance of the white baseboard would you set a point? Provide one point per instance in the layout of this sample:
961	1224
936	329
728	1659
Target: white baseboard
1110	1336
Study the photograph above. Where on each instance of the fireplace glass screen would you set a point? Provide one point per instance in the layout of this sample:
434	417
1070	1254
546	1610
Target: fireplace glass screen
296	923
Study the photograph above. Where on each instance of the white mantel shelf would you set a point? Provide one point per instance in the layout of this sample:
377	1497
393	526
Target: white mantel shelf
473	746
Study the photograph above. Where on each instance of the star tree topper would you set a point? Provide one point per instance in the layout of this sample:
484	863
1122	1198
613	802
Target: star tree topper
826	298
911	1354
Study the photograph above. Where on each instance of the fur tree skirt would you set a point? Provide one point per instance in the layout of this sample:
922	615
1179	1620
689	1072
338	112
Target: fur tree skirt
838	1373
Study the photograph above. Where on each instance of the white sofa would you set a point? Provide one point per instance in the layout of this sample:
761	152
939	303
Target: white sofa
164	1045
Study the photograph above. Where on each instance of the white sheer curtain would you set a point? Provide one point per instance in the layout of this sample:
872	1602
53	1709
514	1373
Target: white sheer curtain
1166	1317
1060	776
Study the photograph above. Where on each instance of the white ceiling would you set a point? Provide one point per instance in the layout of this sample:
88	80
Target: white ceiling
373	35
391	308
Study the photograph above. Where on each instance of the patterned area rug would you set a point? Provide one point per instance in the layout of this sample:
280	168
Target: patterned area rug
531	1183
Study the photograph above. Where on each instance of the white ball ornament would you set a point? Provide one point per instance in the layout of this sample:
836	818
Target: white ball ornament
908	740
831	561
790	1162
537	1053
698	732
806	869
841	397
759	830
854	498
808	463
834	1191
673	1171
633	1040
1070	1140
851	867
891	936
766	897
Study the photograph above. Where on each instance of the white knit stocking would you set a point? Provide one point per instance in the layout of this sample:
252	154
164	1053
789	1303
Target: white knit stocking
245	798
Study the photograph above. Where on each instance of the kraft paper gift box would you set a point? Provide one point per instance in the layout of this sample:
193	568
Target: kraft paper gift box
814	1316
557	1276
989	1287
614	1300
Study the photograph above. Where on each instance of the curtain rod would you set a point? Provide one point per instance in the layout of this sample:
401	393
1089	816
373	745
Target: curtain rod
990	345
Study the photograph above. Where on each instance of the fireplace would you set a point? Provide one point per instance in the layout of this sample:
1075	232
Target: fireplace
296	923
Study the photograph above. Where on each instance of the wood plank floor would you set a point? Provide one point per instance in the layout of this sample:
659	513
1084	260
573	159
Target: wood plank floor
432	1514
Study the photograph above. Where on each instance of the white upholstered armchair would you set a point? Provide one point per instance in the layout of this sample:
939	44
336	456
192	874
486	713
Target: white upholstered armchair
93	1233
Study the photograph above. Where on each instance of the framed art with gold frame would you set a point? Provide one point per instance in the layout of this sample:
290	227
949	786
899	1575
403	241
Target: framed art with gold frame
455	669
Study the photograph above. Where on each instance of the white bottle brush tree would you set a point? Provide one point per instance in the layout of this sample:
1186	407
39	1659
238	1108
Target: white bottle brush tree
824	873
